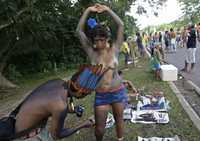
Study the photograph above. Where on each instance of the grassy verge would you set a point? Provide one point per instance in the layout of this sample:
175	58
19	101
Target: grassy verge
180	124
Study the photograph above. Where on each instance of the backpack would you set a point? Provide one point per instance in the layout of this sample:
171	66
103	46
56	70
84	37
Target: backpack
7	125
85	80
7	128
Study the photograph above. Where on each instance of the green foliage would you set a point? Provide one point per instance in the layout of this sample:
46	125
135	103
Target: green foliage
43	33
191	9
129	25
47	66
36	34
47	28
13	74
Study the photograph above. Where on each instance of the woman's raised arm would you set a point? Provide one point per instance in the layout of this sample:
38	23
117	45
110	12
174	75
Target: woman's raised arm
86	44
118	21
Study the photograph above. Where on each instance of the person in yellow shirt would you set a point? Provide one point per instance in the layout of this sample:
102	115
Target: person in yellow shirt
144	39
126	51
125	48
133	49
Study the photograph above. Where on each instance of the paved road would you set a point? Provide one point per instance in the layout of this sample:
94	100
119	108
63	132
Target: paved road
178	60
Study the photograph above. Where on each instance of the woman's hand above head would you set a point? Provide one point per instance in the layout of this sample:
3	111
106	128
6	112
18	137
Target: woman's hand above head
101	8
93	8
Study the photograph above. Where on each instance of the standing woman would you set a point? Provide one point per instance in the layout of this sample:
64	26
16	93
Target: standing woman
110	92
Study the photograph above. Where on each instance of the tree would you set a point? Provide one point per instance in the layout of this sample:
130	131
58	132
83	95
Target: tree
191	9
34	26
35	35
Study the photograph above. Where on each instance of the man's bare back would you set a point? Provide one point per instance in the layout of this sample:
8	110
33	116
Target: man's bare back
41	103
48	100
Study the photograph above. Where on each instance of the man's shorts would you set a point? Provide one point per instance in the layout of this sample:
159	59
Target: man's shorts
190	56
44	135
157	66
173	41
111	97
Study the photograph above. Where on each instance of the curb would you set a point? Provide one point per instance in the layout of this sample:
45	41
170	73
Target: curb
195	87
191	113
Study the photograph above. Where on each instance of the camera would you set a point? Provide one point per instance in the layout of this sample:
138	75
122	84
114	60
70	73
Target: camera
79	110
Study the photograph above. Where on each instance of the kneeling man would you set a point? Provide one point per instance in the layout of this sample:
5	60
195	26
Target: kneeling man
48	100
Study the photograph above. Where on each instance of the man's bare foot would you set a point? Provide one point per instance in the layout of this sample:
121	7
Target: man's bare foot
89	123
92	120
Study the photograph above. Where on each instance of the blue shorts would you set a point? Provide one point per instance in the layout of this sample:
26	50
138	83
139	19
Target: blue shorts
157	66
111	97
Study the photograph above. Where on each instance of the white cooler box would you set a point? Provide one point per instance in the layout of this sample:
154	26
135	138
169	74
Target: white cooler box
168	73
